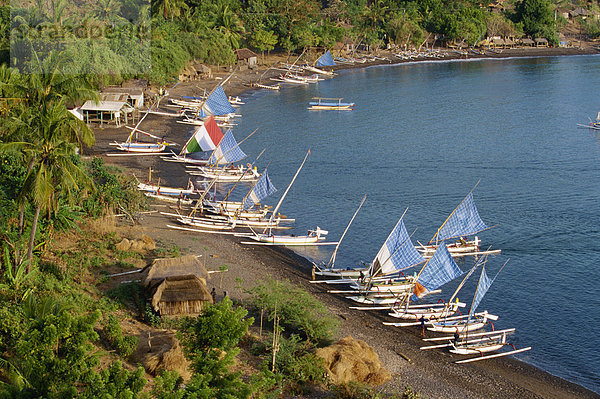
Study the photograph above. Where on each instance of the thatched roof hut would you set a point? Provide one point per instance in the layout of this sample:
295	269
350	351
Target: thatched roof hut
178	286
173	267
180	295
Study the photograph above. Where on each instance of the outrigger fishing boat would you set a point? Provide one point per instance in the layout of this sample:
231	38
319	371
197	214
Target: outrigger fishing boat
159	189
386	273
313	237
326	60
437	271
594	124
226	153
132	145
463	221
470	322
330	104
478	344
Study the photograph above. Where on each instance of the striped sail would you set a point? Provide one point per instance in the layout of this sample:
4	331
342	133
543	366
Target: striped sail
484	284
206	138
464	221
218	103
228	151
325	60
439	270
398	252
262	189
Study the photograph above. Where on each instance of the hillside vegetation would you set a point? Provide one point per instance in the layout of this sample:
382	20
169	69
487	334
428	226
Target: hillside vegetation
114	40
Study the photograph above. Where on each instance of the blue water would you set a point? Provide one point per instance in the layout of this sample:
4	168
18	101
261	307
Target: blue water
421	136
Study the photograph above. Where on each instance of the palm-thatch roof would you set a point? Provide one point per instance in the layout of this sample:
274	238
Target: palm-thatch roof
180	295
173	267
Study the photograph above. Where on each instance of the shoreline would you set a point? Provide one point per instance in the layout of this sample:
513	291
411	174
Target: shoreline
433	373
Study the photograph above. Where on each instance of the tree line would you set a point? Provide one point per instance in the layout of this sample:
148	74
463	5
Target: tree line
119	39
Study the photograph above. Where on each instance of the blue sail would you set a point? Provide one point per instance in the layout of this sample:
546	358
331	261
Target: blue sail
464	221
398	252
484	284
262	189
218	103
439	270
325	60
228	151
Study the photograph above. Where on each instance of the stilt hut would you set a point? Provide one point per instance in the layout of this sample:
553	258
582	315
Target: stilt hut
178	286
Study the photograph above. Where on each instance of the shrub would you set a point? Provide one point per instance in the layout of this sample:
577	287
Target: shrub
124	345
297	310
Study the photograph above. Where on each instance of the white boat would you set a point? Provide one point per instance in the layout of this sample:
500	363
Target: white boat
461	325
471	321
431	311
136	146
227	174
169	198
437	271
313	237
329	104
463	221
172	191
268	87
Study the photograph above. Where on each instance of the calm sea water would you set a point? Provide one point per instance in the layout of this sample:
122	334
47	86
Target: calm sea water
421	137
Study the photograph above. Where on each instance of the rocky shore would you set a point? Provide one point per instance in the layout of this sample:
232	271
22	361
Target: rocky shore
432	373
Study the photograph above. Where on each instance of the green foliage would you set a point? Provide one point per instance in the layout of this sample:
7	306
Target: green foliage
297	363
124	345
220	326
167	386
210	342
113	190
297	310
115	383
537	19
131	295
53	355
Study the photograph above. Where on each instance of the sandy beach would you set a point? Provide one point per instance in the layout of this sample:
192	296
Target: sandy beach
432	373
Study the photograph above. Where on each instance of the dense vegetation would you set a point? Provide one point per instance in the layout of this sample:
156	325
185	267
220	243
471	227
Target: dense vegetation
118	39
55	324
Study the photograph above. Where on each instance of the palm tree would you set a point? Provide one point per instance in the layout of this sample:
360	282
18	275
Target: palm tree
50	153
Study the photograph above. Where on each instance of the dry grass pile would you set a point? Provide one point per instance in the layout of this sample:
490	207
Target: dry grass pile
352	360
162	351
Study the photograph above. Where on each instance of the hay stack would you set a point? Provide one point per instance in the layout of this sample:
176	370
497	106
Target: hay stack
350	359
166	354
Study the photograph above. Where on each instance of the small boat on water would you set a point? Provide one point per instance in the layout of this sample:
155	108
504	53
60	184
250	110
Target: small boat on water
330	104
463	221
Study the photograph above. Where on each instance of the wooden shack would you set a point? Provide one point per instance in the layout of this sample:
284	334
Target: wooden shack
180	295
178	286
246	58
